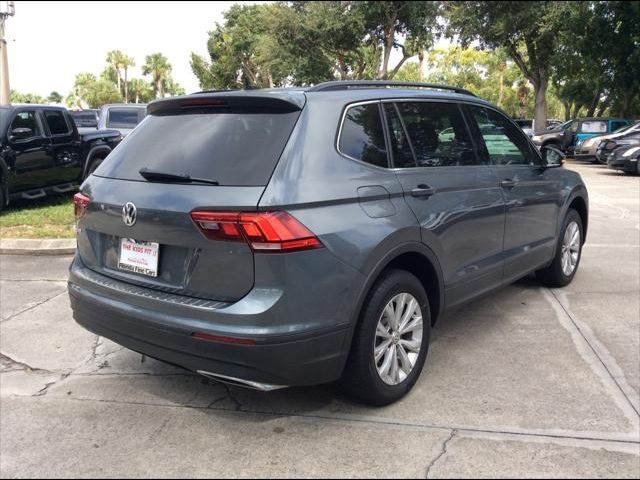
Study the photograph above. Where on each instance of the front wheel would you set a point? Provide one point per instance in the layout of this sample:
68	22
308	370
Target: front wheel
391	341
568	253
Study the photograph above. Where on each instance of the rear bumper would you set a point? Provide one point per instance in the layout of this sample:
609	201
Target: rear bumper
164	331
630	165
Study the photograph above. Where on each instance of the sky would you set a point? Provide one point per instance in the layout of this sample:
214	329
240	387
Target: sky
49	42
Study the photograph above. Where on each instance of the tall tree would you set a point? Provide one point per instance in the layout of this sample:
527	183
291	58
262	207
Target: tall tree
115	59
158	66
389	21
126	62
528	32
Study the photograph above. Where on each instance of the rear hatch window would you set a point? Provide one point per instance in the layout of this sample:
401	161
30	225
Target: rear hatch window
234	147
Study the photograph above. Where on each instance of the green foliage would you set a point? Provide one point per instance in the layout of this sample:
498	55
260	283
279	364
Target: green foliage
92	91
54	97
158	66
17	97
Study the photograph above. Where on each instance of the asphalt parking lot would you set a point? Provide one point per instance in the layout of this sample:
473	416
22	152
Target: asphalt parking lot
525	382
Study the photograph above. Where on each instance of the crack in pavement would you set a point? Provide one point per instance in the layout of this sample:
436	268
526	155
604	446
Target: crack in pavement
31	307
369	420
442	452
7	360
44	390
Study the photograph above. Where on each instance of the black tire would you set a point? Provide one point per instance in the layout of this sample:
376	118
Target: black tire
553	276
361	379
2	199
95	163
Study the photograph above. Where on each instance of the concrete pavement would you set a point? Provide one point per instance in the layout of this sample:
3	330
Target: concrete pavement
527	382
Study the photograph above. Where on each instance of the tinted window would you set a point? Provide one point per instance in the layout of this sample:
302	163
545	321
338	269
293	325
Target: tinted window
362	136
123	117
619	126
594	127
438	134
400	147
56	123
26	120
233	148
504	143
85	119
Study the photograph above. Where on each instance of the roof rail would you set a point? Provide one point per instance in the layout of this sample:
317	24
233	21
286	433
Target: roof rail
347	84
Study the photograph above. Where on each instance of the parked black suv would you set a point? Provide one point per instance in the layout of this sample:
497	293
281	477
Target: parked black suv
42	152
270	238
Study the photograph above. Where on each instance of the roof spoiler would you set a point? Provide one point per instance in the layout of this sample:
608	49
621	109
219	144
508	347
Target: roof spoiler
259	100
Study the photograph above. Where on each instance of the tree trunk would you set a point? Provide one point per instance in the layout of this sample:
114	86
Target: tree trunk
594	103
137	96
421	65
540	111
567	110
118	80
389	38
160	93
126	87
501	69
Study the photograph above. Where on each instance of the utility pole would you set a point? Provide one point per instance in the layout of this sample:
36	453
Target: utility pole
7	9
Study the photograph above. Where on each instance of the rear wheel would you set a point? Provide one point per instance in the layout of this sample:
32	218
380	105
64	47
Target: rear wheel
568	253
391	341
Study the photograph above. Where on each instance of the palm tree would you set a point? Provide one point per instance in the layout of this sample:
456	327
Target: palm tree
158	66
140	89
115	59
126	62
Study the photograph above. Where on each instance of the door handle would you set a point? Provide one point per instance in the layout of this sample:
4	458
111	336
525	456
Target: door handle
508	183
422	190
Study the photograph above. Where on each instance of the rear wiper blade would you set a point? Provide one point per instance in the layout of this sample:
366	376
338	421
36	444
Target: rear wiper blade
152	175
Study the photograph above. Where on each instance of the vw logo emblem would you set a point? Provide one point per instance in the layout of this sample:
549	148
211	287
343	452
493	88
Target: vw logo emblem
129	214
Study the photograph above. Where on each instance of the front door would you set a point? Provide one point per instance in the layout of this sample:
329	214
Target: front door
455	198
531	193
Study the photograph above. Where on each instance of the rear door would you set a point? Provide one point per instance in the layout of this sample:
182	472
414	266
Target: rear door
29	157
65	146
455	198
531	193
236	147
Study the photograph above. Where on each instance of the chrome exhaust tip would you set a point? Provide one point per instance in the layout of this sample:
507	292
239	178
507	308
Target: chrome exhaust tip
239	382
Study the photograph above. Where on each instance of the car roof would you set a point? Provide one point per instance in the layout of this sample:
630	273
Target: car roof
353	93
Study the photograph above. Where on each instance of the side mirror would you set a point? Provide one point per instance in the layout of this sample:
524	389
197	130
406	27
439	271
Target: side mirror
552	157
21	133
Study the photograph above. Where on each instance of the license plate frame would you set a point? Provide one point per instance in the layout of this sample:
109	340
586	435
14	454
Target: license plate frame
136	256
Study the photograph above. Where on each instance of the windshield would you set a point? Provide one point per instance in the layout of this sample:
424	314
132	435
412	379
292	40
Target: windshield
124	117
234	147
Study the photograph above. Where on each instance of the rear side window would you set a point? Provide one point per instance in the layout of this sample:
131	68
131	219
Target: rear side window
617	125
234	147
362	136
56	123
437	133
123	117
594	127
504	143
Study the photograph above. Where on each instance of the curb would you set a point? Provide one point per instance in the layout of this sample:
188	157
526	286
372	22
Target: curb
46	246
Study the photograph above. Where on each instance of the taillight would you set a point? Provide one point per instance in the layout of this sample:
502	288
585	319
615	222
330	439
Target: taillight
80	204
263	231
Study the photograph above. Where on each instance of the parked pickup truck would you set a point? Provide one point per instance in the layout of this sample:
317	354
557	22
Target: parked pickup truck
41	151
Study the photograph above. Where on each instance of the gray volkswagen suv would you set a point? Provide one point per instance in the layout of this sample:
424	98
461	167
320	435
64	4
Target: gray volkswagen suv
271	238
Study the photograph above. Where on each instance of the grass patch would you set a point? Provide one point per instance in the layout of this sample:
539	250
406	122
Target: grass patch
48	217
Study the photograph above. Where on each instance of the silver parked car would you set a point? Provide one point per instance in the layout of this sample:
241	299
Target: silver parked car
121	116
